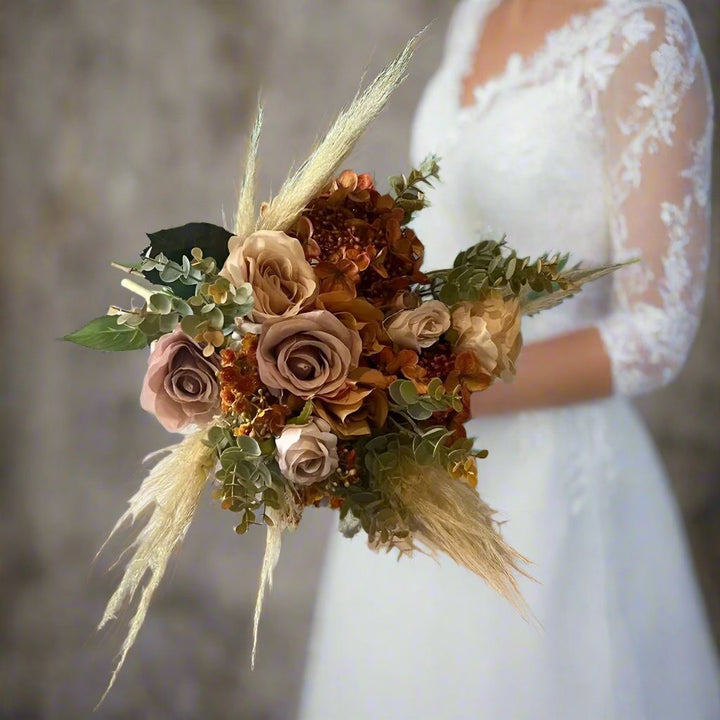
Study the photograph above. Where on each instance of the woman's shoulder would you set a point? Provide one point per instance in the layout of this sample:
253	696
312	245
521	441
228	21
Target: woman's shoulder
659	8
656	21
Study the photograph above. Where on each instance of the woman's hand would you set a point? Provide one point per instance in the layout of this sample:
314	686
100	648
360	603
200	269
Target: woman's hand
569	369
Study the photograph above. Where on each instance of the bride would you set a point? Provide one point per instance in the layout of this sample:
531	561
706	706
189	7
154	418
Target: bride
569	125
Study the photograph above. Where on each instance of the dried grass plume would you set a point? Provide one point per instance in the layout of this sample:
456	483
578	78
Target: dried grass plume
446	515
172	489
324	162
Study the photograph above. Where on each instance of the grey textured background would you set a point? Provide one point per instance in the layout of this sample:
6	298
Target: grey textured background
120	117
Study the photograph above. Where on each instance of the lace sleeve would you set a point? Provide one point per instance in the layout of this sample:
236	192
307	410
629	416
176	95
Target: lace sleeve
657	113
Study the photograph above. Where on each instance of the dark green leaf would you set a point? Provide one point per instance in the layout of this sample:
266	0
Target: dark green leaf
177	242
104	333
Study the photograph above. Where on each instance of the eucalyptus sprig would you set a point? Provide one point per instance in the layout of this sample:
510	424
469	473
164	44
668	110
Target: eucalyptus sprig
487	267
408	194
387	459
208	314
408	401
249	478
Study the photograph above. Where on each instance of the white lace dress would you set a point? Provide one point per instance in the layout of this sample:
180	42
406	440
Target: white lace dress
600	144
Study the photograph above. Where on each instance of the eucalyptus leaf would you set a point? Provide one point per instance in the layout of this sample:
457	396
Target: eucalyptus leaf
248	446
419	412
395	394
191	324
168	323
232	457
215	318
408	392
181	307
169	274
160	303
215	435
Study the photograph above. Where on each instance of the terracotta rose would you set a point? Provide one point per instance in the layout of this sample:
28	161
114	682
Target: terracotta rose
180	386
309	355
274	264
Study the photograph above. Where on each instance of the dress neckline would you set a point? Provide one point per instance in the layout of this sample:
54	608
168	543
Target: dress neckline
517	64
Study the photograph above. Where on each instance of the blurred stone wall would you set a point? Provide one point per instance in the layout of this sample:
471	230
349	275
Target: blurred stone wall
123	116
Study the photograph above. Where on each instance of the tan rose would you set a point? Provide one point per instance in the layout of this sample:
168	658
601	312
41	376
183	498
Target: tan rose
491	329
307	453
421	327
309	355
274	264
180	387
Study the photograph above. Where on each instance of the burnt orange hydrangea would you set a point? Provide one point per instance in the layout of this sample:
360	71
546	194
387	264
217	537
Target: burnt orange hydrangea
354	237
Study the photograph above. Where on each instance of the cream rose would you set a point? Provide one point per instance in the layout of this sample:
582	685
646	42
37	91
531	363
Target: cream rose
307	453
274	264
309	355
491	329
421	327
180	386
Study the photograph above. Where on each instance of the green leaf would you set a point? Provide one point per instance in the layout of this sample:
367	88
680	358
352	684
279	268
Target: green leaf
215	436
249	446
435	388
104	333
192	324
174	243
304	416
408	392
231	457
168	323
424	453
419	412
160	303
394	390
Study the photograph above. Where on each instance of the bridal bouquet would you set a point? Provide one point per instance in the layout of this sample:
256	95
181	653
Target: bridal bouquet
309	361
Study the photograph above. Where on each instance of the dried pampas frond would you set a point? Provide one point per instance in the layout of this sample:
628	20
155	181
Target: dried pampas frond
279	520
244	221
531	305
324	162
446	515
270	560
172	490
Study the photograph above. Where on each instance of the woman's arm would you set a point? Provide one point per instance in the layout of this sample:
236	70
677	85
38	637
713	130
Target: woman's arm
657	114
568	369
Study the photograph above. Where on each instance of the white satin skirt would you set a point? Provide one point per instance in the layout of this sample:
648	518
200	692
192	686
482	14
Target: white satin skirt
621	632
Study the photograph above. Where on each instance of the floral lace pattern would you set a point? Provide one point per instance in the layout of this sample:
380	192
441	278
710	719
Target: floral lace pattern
628	80
658	114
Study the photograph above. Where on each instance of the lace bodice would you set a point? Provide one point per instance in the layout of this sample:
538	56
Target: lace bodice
600	144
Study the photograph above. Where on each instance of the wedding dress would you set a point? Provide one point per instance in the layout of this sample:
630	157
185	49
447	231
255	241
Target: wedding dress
600	144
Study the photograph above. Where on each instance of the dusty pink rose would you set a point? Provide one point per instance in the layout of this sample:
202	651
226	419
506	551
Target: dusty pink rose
307	453
309	355
180	386
274	264
421	327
